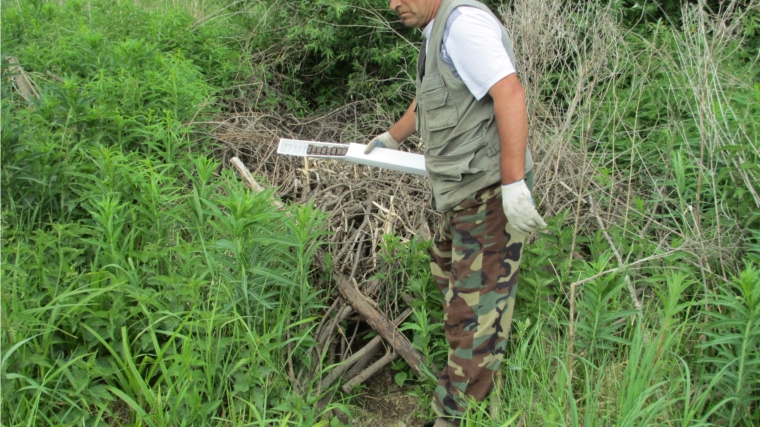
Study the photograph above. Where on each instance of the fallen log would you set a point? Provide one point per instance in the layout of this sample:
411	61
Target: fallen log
381	324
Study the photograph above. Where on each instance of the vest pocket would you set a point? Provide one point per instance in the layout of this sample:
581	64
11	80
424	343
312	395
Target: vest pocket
450	168
440	110
437	104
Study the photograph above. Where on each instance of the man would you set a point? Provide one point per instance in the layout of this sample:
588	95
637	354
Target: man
470	111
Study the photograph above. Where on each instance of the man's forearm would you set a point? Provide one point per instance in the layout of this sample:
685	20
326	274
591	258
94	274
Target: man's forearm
512	120
406	124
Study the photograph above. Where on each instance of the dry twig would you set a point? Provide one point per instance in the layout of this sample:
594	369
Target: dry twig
21	81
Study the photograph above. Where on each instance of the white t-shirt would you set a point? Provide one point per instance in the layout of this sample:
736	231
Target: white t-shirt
472	49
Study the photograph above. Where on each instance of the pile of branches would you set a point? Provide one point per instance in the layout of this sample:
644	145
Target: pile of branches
362	203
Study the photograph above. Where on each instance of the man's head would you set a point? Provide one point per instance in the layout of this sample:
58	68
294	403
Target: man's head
415	13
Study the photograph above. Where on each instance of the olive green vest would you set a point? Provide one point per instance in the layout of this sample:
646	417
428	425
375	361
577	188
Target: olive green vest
461	137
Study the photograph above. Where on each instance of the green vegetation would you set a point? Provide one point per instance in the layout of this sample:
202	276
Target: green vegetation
140	283
143	285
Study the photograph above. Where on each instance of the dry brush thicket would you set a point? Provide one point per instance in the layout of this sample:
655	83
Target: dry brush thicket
574	58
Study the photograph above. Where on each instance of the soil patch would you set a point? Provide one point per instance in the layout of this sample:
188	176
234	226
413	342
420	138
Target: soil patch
385	404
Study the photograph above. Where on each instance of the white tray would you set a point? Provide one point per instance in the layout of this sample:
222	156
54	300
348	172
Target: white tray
354	153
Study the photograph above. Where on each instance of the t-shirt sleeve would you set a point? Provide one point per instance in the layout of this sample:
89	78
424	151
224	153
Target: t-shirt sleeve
475	47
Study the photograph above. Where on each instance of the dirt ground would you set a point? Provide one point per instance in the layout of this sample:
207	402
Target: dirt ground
385	404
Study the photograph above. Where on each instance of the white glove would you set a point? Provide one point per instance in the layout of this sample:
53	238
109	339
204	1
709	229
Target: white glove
519	207
383	141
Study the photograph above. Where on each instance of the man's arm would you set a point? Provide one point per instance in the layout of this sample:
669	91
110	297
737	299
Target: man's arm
397	133
511	115
406	124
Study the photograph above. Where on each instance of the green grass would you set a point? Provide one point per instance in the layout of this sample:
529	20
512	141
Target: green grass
142	283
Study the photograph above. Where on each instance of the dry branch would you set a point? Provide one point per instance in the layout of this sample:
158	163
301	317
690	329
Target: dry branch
21	80
380	364
250	182
381	324
366	352
626	266
629	284
325	335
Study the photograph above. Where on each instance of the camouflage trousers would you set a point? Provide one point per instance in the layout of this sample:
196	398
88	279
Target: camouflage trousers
475	258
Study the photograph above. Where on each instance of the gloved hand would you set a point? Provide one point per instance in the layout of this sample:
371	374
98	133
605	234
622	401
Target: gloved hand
384	141
519	207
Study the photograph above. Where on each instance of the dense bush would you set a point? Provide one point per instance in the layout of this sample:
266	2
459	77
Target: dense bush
323	54
319	51
140	284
